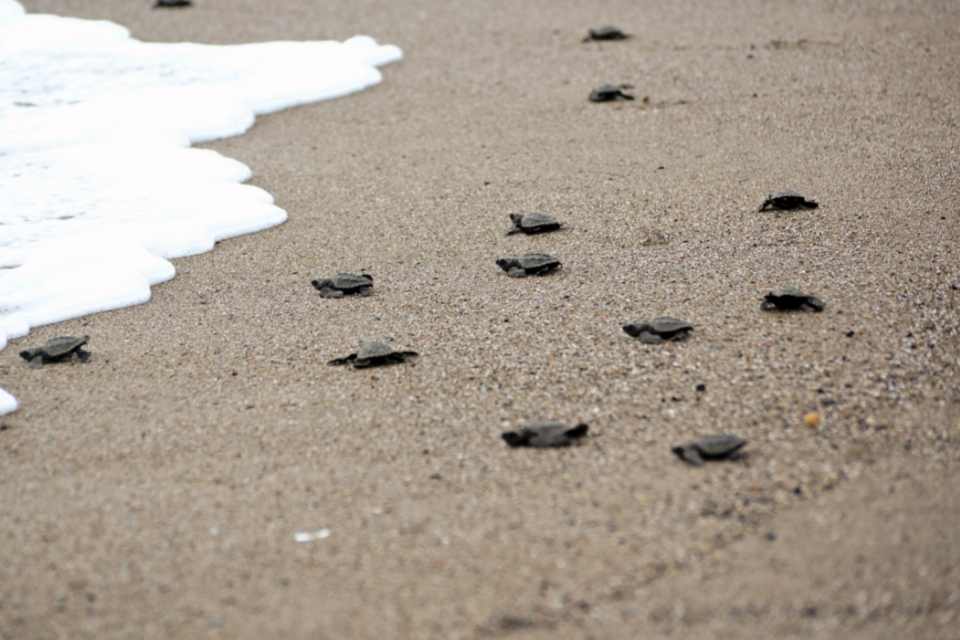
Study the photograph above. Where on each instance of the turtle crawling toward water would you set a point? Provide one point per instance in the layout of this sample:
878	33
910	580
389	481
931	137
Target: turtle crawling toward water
344	284
531	264
725	446
58	349
532	223
608	32
374	353
792	299
787	201
659	330
611	92
541	435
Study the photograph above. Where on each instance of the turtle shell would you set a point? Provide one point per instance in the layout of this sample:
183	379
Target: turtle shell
344	284
531	223
610	92
719	446
659	330
531	264
56	349
374	349
714	447
787	201
792	299
374	353
545	434
607	32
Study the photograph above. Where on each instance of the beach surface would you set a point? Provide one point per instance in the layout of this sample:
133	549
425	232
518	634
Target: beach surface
156	491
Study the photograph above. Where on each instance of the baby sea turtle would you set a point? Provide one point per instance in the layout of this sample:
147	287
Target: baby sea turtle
608	32
374	353
532	223
545	434
659	330
172	4
787	201
57	350
719	447
610	92
344	284
791	299
530	264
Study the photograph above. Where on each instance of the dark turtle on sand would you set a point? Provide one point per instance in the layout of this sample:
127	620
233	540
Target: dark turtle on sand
787	201
57	350
725	446
791	299
607	32
172	4
344	284
374	353
531	264
610	92
532	223
545	434
659	330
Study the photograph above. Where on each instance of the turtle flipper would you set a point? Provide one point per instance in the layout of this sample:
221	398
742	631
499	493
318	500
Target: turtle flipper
83	355
36	362
339	362
689	454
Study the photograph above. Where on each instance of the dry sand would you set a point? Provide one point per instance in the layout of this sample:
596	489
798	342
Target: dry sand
155	491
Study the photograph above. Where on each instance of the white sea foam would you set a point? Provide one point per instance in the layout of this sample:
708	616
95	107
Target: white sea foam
98	185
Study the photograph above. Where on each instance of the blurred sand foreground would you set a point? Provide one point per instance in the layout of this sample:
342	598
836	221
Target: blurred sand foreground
155	491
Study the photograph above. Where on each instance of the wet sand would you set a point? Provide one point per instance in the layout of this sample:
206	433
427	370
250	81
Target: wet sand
154	492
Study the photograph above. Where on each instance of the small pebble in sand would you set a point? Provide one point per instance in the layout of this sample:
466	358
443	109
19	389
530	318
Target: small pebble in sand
545	434
311	536
725	446
791	299
787	201
606	33
531	264
58	349
659	330
532	223
610	93
812	419
374	353
172	4
344	284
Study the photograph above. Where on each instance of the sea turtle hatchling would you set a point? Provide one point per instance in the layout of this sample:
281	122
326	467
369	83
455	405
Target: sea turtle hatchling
58	349
611	92
374	353
792	299
344	284
659	330
725	446
541	435
172	4
531	264
532	223
608	32
787	201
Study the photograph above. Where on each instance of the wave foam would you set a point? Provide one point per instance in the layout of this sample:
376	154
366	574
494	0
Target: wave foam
98	185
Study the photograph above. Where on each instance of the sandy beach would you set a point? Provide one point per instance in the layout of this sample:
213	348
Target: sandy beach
155	491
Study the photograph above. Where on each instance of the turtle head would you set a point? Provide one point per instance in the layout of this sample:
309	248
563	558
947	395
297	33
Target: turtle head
633	330
578	431
514	438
